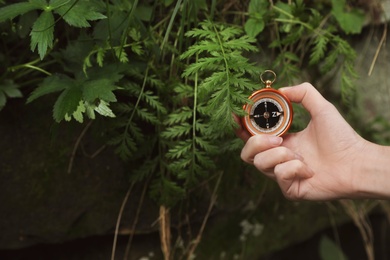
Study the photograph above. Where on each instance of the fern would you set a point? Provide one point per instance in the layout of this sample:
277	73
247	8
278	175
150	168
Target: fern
327	49
132	117
224	68
319	49
220	75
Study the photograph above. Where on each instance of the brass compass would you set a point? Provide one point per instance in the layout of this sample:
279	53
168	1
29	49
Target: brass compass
268	111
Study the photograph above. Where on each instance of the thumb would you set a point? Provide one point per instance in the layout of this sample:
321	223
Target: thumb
308	96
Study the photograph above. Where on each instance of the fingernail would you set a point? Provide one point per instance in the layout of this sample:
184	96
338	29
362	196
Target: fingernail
275	140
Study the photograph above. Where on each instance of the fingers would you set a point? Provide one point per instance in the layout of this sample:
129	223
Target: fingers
293	169
291	177
267	160
308	96
240	131
257	144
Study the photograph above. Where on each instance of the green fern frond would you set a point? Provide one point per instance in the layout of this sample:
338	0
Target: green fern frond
177	131
166	192
319	49
184	114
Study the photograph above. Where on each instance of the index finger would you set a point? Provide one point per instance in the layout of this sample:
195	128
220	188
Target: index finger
257	144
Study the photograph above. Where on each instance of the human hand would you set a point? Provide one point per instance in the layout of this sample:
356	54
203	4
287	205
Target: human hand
317	163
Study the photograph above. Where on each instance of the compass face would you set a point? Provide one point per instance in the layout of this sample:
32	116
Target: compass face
270	112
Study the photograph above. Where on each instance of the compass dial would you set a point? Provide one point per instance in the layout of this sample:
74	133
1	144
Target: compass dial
269	112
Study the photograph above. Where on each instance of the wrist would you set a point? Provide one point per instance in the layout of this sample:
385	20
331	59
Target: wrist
371	172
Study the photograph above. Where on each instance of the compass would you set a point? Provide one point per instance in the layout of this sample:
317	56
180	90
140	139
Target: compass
269	111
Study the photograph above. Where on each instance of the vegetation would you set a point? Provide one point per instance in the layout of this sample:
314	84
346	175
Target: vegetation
166	76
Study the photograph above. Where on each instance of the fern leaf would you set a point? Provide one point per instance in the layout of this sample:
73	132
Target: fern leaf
166	192
147	116
180	116
177	131
319	49
182	148
154	102
147	168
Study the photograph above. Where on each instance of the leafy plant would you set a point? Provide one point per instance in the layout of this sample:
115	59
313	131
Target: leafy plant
166	76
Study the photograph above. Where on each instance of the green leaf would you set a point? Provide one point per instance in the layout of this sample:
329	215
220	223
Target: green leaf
42	34
13	10
330	251
182	148
255	24
104	110
154	102
49	85
90	110
147	116
350	22
78	114
318	51
254	27
177	131
100	56
10	89
99	89
121	54
78	13
258	6
67	102
41	4
166	192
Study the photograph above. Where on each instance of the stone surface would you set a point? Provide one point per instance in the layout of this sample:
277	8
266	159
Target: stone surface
40	202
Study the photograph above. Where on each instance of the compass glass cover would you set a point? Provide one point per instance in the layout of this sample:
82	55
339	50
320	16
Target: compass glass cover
269	113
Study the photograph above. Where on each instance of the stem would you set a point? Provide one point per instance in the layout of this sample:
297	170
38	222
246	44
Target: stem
70	166
213	200
194	122
165	231
136	218
125	33
38	69
168	31
224	55
30	65
138	101
124	202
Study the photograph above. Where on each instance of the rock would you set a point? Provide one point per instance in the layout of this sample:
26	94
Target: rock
40	201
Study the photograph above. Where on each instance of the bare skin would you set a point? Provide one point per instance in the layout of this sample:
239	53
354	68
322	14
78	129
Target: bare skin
327	160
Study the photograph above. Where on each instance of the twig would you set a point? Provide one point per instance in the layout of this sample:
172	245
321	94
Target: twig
124	202
135	222
359	217
76	145
165	232
381	42
196	242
